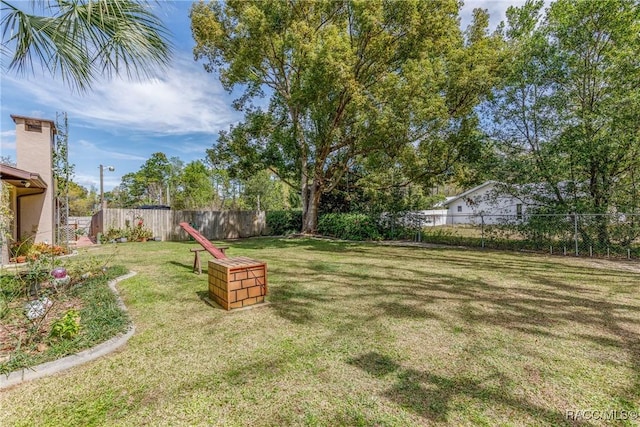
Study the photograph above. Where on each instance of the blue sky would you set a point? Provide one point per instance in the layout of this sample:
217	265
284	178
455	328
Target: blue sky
121	123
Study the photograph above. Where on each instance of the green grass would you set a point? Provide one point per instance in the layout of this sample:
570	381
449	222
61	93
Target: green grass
358	334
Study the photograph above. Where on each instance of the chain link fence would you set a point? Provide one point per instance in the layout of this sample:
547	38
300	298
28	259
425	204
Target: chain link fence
612	235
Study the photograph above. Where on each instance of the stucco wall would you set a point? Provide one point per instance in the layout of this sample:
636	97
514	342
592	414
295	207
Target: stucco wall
34	152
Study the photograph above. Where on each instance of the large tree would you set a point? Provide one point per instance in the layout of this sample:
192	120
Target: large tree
82	201
81	40
567	116
264	191
193	188
149	185
346	81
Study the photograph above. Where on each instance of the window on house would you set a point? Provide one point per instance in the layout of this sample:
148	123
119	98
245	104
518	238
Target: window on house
33	127
459	208
519	210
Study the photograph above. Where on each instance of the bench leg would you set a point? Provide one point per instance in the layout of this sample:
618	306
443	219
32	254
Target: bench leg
196	263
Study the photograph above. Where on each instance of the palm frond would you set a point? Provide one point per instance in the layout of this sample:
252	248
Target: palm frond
82	40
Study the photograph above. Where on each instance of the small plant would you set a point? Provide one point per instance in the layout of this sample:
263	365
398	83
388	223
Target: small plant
115	233
37	272
140	232
67	326
21	247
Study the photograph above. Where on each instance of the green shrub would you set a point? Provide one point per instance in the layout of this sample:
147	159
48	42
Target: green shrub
284	222
115	233
349	226
21	247
67	326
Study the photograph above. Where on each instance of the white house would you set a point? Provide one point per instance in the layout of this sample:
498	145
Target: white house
486	202
491	202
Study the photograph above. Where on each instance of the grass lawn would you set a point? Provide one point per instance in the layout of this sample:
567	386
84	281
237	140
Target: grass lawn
359	334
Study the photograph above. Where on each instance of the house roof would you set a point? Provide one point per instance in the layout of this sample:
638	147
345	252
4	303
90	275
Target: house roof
21	178
468	192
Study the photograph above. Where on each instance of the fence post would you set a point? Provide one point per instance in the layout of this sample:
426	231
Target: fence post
575	231
393	226
482	229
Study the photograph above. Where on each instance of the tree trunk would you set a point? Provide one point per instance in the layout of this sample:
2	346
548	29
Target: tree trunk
304	183
310	209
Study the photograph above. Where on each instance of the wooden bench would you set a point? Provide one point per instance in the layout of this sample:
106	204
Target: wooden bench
196	260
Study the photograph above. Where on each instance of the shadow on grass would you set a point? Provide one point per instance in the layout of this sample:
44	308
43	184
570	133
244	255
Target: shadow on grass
182	265
406	311
296	303
204	297
306	243
539	302
431	396
367	285
189	267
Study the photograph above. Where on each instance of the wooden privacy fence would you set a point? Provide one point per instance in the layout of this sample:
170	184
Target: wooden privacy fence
165	223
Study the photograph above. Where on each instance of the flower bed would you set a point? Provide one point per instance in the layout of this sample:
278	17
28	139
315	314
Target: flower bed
48	310
23	250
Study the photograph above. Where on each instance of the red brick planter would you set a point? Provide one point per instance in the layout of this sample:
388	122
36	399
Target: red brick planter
237	282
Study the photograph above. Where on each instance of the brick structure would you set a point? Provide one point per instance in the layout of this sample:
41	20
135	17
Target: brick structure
237	282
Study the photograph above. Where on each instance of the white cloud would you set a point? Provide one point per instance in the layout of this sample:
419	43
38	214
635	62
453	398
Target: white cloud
86	181
38	114
189	147
110	181
11	133
497	10
104	154
183	100
8	143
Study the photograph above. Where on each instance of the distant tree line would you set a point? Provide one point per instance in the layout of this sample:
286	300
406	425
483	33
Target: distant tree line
198	186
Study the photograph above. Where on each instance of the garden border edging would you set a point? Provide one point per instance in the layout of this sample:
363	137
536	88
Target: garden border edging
73	360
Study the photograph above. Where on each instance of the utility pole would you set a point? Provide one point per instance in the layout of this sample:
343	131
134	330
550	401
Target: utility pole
110	169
